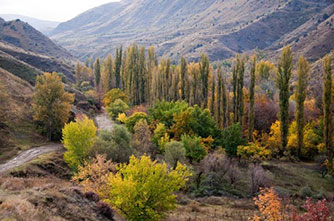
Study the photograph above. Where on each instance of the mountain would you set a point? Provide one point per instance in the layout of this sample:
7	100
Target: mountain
220	28
41	25
26	52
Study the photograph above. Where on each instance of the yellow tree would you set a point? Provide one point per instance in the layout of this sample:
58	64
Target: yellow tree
51	104
78	139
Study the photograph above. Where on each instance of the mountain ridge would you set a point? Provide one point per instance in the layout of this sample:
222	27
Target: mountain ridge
184	27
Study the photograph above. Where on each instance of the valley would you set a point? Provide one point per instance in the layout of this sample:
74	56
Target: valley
169	110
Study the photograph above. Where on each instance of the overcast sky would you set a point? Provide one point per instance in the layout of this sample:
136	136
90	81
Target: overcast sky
53	10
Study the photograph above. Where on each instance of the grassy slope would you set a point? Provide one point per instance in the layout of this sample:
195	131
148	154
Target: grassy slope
19	133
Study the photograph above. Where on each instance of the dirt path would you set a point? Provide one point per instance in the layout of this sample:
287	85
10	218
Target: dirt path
103	123
29	155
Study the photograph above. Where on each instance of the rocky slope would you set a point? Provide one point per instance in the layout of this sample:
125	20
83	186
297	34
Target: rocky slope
188	27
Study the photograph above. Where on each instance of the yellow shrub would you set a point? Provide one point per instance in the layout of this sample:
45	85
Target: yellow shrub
253	152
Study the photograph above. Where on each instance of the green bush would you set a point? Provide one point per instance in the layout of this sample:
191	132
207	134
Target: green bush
174	153
116	144
232	138
116	108
194	149
133	119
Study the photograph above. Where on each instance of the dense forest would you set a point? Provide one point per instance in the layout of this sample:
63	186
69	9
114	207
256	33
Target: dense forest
198	128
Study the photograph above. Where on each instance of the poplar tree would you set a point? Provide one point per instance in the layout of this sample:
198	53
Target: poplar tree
282	81
219	97
213	91
234	85
204	69
303	73
118	63
97	72
108	72
251	116
142	76
225	102
183	77
327	100
240	86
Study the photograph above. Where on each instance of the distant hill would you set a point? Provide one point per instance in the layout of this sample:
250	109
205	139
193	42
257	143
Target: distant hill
26	52
220	28
41	25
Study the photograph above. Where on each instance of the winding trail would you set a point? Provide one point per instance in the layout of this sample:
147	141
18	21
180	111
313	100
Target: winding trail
103	123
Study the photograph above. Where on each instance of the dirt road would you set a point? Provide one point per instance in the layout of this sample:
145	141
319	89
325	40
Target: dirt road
103	123
29	155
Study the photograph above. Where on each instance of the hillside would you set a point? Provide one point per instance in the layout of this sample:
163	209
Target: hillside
187	27
24	36
41	25
25	52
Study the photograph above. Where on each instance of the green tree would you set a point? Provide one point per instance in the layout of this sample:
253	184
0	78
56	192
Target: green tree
108	74
251	117
232	138
282	81
327	100
113	95
213	93
204	70
194	149
115	144
118	64
174	153
303	69
97	72
78	139
145	190
133	119
183	77
116	108
51	104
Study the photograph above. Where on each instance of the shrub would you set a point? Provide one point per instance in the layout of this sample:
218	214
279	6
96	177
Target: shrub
259	178
122	118
158	133
93	175
305	192
78	140
269	204
133	119
144	190
253	152
116	108
174	153
232	138
142	137
194	149
314	212
116	144
164	111
113	95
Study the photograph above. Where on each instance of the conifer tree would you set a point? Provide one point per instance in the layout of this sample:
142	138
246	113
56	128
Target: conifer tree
251	117
327	100
303	73
282	81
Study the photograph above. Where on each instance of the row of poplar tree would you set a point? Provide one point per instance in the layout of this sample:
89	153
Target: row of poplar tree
145	80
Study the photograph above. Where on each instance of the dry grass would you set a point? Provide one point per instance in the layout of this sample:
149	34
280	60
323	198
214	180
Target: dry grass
214	208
